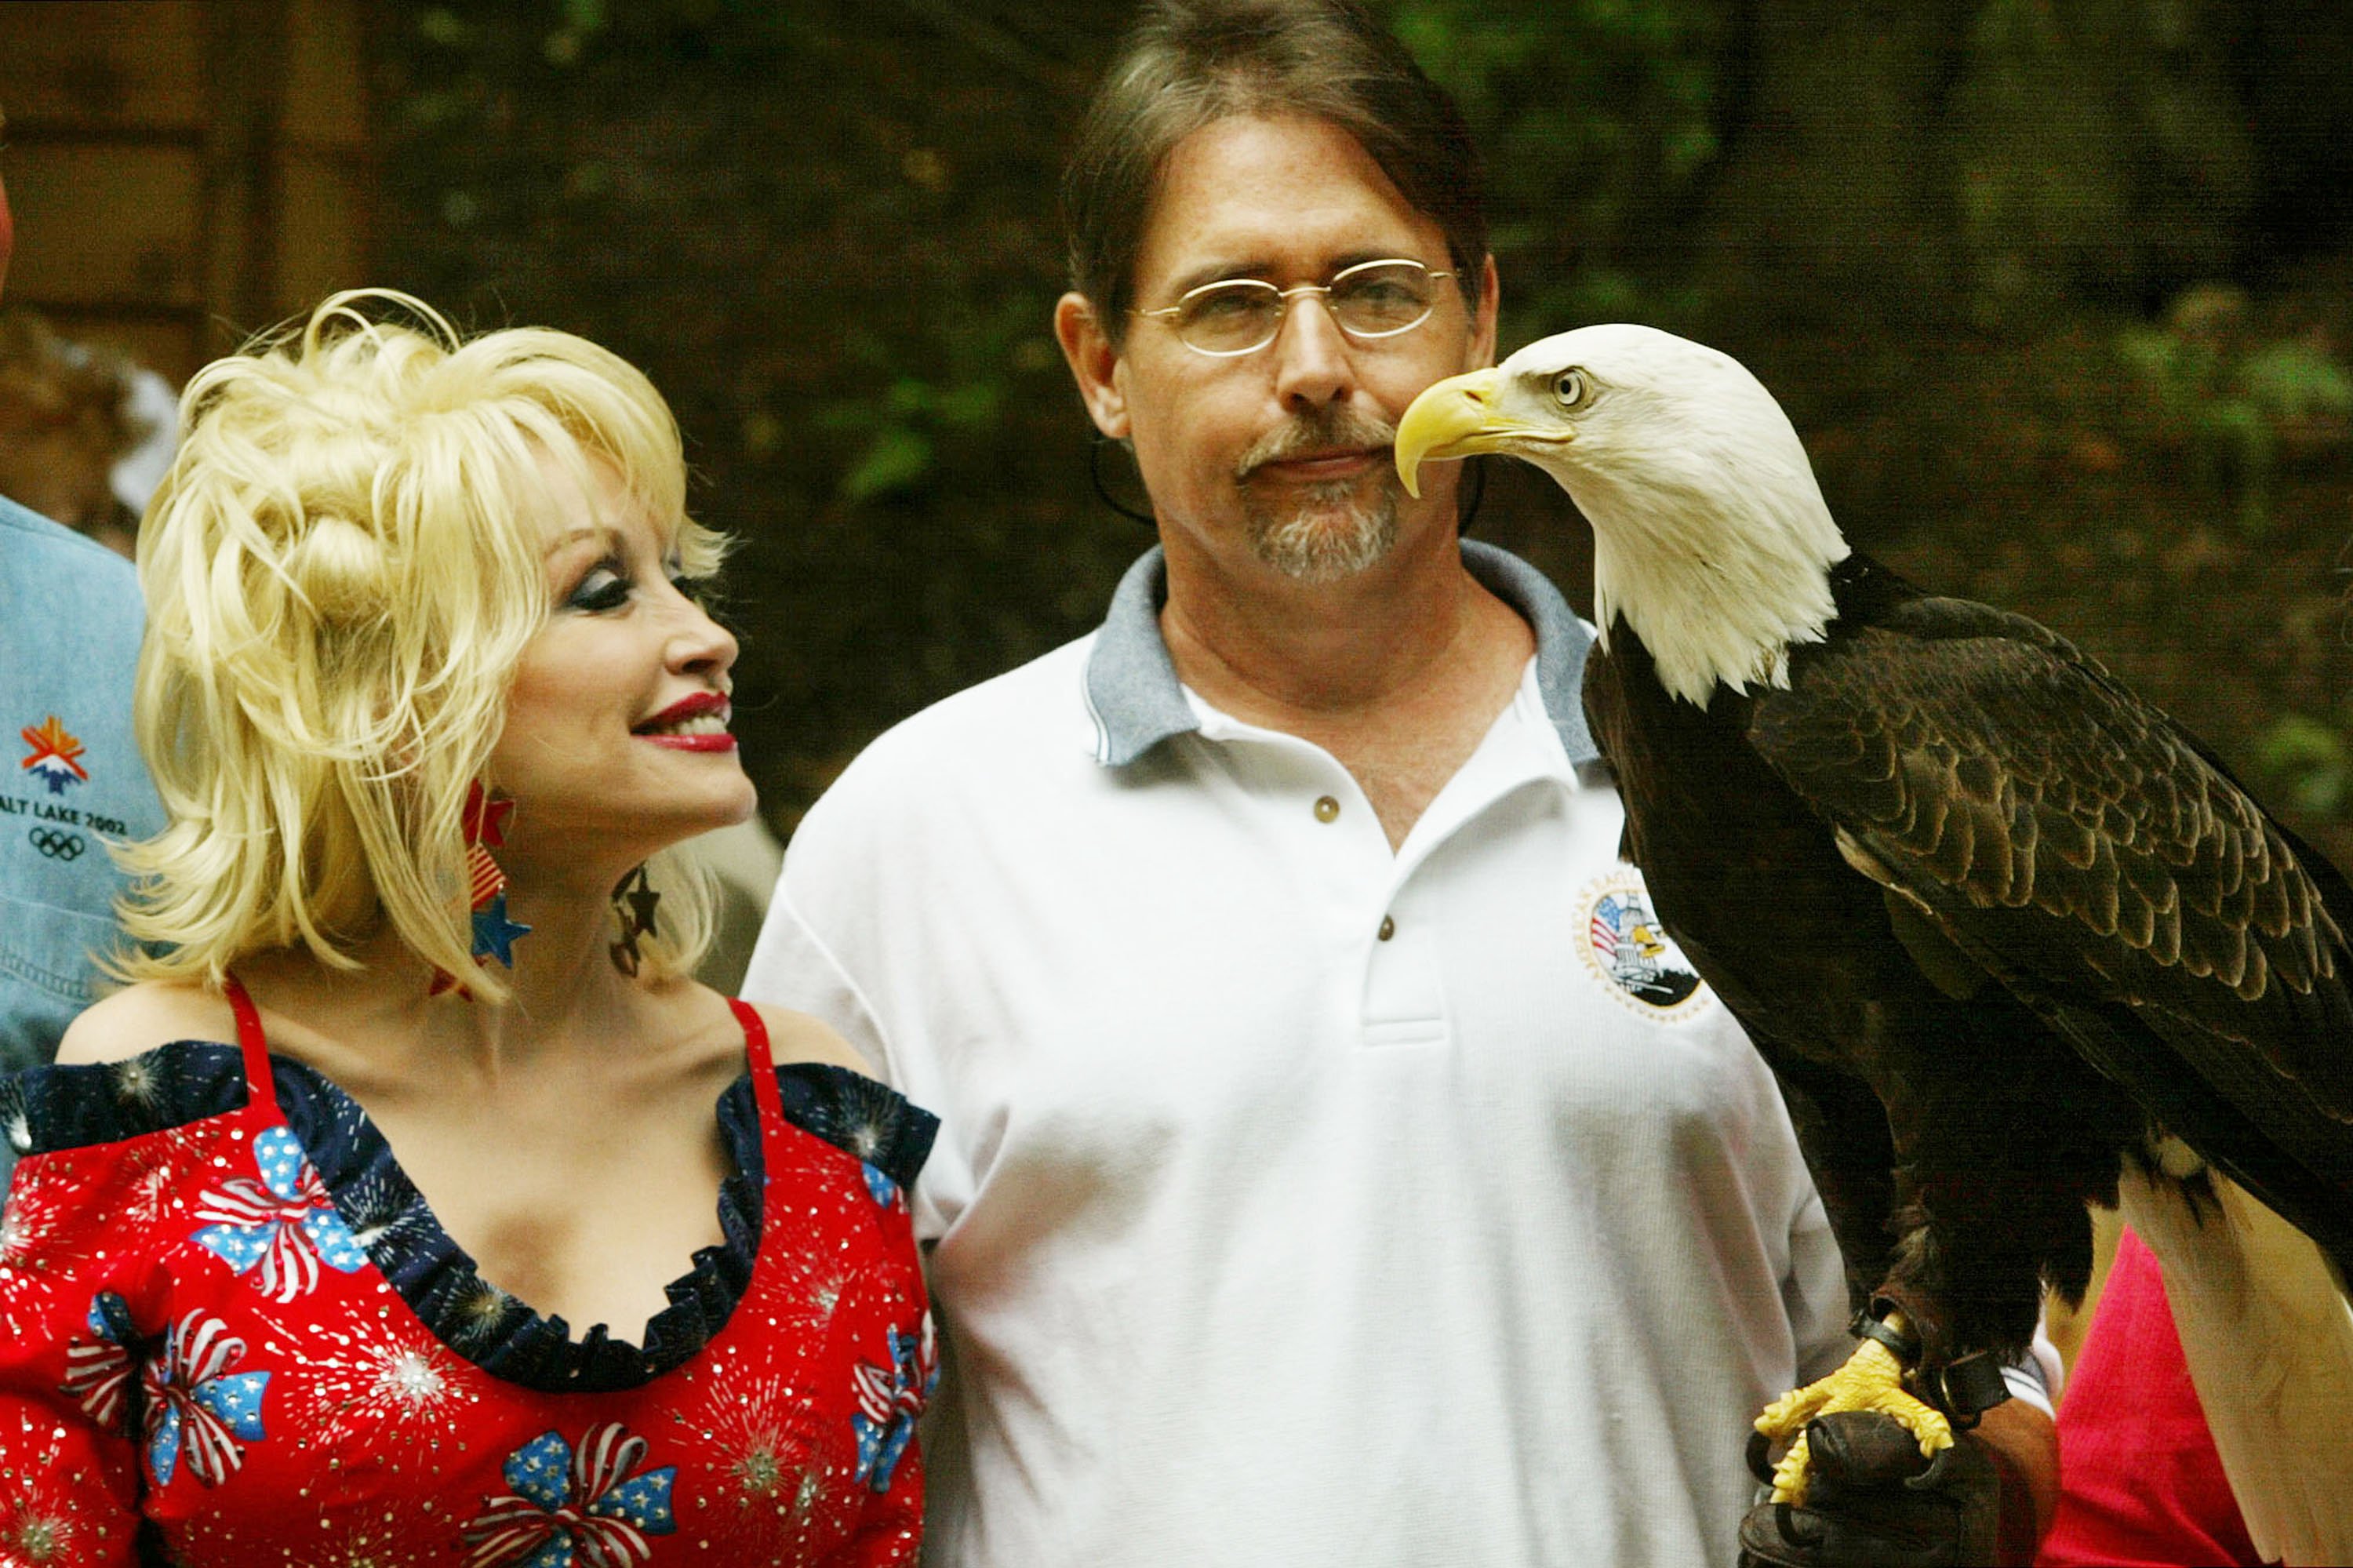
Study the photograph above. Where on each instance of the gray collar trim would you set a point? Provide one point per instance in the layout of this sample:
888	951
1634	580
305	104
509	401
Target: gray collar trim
1136	701
1132	692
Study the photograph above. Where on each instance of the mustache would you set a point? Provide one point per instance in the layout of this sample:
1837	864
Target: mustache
1317	429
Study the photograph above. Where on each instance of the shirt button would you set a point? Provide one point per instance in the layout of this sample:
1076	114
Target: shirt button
1326	808
1389	929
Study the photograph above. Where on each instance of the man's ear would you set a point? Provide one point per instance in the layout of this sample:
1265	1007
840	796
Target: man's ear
1095	363
1482	318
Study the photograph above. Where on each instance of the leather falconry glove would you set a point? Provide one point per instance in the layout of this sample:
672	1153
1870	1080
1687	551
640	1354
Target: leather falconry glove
1874	1502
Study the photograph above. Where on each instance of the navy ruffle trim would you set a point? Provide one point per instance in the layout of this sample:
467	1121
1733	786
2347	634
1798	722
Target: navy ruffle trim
50	1108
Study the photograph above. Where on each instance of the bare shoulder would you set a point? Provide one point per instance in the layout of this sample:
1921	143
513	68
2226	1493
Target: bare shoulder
718	1042
797	1037
141	1017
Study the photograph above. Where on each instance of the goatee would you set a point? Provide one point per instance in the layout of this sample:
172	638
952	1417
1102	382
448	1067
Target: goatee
1337	527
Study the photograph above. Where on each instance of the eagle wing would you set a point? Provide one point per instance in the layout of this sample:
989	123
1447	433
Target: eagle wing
2080	847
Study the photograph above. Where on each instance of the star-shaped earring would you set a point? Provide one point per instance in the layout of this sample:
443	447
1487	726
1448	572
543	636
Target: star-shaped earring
494	934
484	823
486	817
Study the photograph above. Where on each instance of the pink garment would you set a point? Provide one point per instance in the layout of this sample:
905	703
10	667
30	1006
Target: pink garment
2139	1483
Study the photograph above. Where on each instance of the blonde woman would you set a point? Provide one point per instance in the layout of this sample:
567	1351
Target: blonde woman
387	1216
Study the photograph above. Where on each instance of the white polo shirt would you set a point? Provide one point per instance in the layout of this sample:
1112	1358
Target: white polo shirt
1300	1202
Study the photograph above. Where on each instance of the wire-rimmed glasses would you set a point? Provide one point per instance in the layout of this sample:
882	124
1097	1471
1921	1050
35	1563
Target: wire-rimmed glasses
1369	301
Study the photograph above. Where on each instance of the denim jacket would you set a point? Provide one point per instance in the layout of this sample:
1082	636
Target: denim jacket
71	780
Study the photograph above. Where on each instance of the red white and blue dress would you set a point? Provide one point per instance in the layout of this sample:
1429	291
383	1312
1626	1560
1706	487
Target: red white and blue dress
232	1335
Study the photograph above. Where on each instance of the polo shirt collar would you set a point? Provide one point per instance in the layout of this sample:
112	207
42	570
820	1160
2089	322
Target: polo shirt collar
1137	701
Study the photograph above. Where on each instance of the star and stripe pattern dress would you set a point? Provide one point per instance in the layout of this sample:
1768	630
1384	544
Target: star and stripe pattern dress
232	1335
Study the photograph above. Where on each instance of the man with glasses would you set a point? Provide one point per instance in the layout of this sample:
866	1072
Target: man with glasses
1337	1164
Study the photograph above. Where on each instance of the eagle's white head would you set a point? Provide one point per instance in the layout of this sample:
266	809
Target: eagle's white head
1710	537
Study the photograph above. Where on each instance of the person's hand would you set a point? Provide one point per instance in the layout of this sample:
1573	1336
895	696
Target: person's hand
1874	1502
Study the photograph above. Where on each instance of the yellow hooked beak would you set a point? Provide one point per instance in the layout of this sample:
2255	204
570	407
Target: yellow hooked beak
1457	418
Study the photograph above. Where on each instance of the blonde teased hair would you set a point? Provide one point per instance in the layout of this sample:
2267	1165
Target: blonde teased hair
342	572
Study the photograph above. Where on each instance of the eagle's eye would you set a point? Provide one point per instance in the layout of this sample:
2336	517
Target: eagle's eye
1572	390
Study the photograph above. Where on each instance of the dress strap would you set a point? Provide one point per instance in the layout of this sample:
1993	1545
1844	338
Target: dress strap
258	1088
762	1064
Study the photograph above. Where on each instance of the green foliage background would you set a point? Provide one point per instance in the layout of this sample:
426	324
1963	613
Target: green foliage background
2055	289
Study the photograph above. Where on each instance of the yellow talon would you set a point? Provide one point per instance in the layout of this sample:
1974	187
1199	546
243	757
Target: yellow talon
1872	1379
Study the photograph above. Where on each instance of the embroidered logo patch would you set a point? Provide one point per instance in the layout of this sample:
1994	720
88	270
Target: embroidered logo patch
56	757
1626	947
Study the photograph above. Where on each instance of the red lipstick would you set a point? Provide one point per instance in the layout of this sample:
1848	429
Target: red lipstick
701	705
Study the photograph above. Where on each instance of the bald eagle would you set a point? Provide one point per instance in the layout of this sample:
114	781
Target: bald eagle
2005	932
